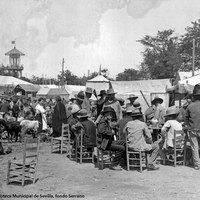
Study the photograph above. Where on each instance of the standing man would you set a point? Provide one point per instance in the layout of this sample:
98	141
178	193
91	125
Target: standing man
100	102
192	120
86	102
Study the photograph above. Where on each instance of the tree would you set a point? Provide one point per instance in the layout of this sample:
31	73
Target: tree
186	46
128	75
161	55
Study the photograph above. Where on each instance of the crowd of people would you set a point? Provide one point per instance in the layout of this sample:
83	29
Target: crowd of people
114	121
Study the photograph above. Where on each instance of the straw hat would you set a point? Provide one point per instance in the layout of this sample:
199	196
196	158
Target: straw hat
132	96
173	110
110	91
80	96
89	90
157	100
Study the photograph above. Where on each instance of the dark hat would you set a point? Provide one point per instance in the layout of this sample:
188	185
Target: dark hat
110	91
196	91
121	100
157	100
136	113
58	98
102	92
82	113
80	96
136	104
132	96
108	109
89	90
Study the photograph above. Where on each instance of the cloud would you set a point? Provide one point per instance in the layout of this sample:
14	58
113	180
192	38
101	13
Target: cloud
37	23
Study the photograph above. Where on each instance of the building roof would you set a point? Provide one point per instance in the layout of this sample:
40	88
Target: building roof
49	86
14	51
52	92
10	80
29	88
99	78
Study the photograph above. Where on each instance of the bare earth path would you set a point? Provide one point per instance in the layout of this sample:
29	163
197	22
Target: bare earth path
58	176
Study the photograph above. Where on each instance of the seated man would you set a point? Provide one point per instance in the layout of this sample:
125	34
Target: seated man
88	126
105	129
139	138
170	125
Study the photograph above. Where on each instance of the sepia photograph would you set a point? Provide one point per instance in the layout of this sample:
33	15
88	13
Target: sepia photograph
99	99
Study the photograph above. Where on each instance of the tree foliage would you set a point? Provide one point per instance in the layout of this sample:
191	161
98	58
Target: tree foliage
186	46
161	55
128	75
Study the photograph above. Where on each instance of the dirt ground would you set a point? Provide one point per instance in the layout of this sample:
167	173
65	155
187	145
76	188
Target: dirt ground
57	175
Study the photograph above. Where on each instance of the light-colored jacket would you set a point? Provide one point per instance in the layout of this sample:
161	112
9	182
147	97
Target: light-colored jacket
137	135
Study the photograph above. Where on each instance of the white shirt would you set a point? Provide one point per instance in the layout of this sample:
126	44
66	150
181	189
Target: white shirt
169	128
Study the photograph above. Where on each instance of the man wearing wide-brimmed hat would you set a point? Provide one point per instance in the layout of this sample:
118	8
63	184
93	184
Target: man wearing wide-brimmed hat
140	139
114	103
192	120
101	101
132	98
87	102
171	124
79	98
105	130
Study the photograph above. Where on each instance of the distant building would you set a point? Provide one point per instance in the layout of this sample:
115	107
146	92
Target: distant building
14	68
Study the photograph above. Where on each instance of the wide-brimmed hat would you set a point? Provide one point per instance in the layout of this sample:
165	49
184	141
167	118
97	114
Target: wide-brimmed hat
102	92
132	96
136	113
110	91
107	109
75	109
89	90
82	113
196	91
80	96
156	100
173	110
129	108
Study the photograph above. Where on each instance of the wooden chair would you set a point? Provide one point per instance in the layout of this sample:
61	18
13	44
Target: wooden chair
177	155
135	159
62	143
25	169
83	152
104	157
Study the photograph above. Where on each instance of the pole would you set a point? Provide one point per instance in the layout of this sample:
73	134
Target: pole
62	82
193	56
144	98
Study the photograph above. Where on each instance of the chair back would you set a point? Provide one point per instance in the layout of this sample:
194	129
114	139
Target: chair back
65	131
31	148
179	139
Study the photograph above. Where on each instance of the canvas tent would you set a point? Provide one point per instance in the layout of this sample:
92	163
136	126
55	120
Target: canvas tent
98	83
51	93
149	88
10	80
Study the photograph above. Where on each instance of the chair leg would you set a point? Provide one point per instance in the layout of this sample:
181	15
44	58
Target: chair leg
101	159
8	172
61	146
140	156
51	145
81	154
97	157
175	158
127	158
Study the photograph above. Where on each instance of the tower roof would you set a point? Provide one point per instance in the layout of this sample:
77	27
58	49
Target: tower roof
14	51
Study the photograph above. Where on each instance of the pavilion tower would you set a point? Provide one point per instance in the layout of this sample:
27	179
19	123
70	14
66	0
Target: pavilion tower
14	68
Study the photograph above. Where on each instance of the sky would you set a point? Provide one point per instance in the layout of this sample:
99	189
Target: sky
87	33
